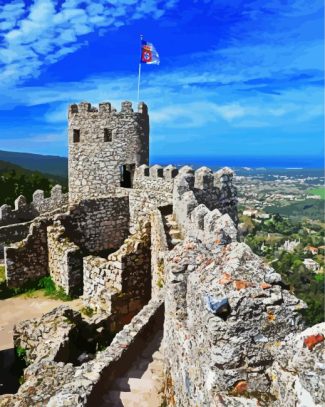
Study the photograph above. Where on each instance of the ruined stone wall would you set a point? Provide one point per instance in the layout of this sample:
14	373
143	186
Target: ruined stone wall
225	313
65	260
90	226
12	234
98	224
28	259
100	142
159	250
25	211
50	382
120	284
202	199
48	337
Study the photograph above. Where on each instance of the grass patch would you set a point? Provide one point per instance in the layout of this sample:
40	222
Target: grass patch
51	291
2	273
318	191
42	286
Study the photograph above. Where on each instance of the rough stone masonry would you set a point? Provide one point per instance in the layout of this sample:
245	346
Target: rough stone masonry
147	249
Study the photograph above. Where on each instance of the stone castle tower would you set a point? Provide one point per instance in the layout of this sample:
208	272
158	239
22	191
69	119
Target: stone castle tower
105	146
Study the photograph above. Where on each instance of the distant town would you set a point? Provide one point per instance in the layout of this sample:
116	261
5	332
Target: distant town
282	219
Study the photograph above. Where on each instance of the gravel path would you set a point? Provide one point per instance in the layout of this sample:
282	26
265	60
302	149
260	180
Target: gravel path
16	309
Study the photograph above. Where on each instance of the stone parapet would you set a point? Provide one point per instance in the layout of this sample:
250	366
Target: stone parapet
24	211
104	108
226	312
155	178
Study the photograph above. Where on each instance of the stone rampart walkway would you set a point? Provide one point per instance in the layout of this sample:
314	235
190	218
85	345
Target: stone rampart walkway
142	384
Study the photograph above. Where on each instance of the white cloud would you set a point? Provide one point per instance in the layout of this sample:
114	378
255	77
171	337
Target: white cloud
171	107
47	30
10	13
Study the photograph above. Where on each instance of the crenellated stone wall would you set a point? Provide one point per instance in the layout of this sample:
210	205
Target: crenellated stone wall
225	311
101	142
204	203
25	211
155	178
56	201
232	329
65	260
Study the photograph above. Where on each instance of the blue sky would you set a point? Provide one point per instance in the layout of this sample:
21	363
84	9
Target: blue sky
237	78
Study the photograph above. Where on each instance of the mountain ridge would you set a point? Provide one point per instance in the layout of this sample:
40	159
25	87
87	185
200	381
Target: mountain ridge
46	164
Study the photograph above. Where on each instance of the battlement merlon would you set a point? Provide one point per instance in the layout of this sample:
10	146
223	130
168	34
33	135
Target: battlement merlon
85	108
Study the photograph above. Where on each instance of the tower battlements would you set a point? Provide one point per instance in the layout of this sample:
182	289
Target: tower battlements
105	147
106	107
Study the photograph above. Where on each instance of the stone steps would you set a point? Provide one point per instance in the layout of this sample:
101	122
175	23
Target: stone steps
173	233
132	384
142	384
117	398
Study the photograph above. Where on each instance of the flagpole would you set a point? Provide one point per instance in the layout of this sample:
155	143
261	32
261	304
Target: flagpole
139	74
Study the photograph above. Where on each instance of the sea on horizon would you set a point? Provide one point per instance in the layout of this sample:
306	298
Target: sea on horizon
289	163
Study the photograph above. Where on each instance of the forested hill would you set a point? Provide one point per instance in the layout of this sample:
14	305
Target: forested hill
47	164
15	181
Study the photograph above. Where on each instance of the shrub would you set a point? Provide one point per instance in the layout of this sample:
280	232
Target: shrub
21	353
88	311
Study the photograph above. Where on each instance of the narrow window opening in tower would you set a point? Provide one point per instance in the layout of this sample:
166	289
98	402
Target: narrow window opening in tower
76	135
107	135
127	174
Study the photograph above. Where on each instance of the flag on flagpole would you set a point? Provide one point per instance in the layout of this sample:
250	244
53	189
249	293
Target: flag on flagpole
149	55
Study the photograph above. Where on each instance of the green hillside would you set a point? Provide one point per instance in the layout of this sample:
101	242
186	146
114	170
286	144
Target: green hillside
309	208
47	164
318	191
15	181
